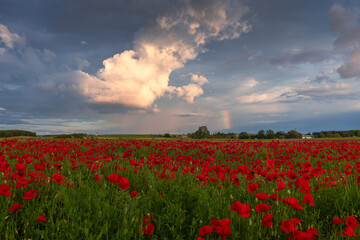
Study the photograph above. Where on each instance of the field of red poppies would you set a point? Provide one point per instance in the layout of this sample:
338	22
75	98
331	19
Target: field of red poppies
163	189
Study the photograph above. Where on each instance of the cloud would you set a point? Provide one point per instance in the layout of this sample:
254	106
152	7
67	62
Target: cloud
321	79
300	57
136	78
10	39
198	79
274	94
187	92
187	115
250	83
344	23
339	89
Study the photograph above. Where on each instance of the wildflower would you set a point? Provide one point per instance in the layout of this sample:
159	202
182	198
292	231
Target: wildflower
262	207
267	220
337	221
281	186
148	229
123	182
349	231
287	226
252	187
262	196
30	194
42	218
133	194
15	207
243	210
5	189
205	230
113	178
351	222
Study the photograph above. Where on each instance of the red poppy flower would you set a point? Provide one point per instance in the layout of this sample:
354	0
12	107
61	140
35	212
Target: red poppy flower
349	231
262	207
252	187
123	182
42	218
20	167
243	210
214	180
113	178
148	229
308	198
295	221
281	186
215	223
225	222
205	230
337	221
351	222
5	189
223	231
290	201
133	194
287	226
14	207
30	194
274	197
262	196
267	220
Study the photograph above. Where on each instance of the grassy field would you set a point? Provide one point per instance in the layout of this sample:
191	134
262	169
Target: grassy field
173	189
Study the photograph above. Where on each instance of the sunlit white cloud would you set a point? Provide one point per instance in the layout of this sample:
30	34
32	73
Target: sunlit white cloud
136	78
9	38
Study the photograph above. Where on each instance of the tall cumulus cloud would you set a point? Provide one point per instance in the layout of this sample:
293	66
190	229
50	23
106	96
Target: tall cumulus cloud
136	78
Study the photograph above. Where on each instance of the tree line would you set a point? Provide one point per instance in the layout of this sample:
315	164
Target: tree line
16	133
203	132
337	134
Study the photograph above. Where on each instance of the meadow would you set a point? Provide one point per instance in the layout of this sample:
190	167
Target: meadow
174	189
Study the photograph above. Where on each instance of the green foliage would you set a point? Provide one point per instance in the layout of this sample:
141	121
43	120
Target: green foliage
337	134
73	135
270	134
293	134
244	135
167	135
220	135
261	134
16	133
201	133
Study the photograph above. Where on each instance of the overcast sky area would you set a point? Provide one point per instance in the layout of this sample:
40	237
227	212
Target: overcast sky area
159	66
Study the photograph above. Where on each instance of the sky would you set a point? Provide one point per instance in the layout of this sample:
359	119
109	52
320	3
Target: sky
160	66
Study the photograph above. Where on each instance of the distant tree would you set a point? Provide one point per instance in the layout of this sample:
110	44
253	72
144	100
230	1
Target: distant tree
261	134
280	135
231	135
167	135
244	135
270	134
293	134
201	133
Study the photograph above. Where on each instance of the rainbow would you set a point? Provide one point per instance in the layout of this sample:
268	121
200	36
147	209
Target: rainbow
226	120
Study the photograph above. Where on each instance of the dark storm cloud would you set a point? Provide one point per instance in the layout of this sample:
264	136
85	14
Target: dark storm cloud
344	23
300	58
